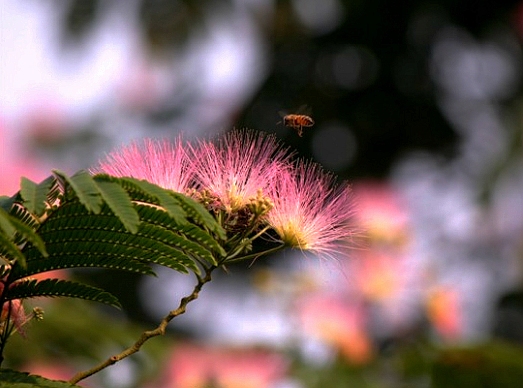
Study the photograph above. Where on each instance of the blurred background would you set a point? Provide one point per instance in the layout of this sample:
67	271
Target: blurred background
418	103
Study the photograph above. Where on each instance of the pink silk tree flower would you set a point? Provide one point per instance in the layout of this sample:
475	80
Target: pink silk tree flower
238	167
12	312
311	212
163	163
15	313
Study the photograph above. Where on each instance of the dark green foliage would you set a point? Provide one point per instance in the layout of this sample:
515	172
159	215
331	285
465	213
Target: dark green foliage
35	195
13	232
143	191
100	222
6	202
492	365
119	202
9	250
200	215
57	287
84	188
13	379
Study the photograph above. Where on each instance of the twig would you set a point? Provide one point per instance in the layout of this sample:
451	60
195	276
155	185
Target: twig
146	335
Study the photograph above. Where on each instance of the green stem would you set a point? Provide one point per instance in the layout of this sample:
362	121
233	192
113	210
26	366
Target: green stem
238	247
232	259
261	232
146	335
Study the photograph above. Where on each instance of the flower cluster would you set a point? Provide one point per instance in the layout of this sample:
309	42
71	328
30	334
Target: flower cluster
250	182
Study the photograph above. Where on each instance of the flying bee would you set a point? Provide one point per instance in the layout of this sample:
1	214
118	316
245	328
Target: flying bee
297	121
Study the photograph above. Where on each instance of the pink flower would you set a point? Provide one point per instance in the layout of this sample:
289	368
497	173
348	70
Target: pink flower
238	167
381	213
163	163
193	366
15	162
339	324
14	312
379	275
310	211
444	311
241	177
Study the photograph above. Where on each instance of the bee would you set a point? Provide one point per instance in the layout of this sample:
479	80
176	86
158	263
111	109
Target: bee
297	121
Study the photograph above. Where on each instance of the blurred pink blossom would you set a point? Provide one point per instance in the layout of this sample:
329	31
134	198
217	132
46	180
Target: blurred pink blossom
56	370
15	163
444	312
339	323
193	366
380	213
378	275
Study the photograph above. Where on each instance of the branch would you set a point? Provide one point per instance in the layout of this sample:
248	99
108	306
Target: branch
146	335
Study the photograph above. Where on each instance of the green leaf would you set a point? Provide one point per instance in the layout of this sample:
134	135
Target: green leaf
14	379
144	191
76	238
172	243
6	203
199	214
8	248
120	203
35	195
10	251
56	287
171	239
126	263
19	212
165	200
30	235
85	189
5	224
202	237
159	217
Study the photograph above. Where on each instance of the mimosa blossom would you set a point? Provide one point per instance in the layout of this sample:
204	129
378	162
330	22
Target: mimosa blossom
310	211
238	167
13	313
163	163
248	180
